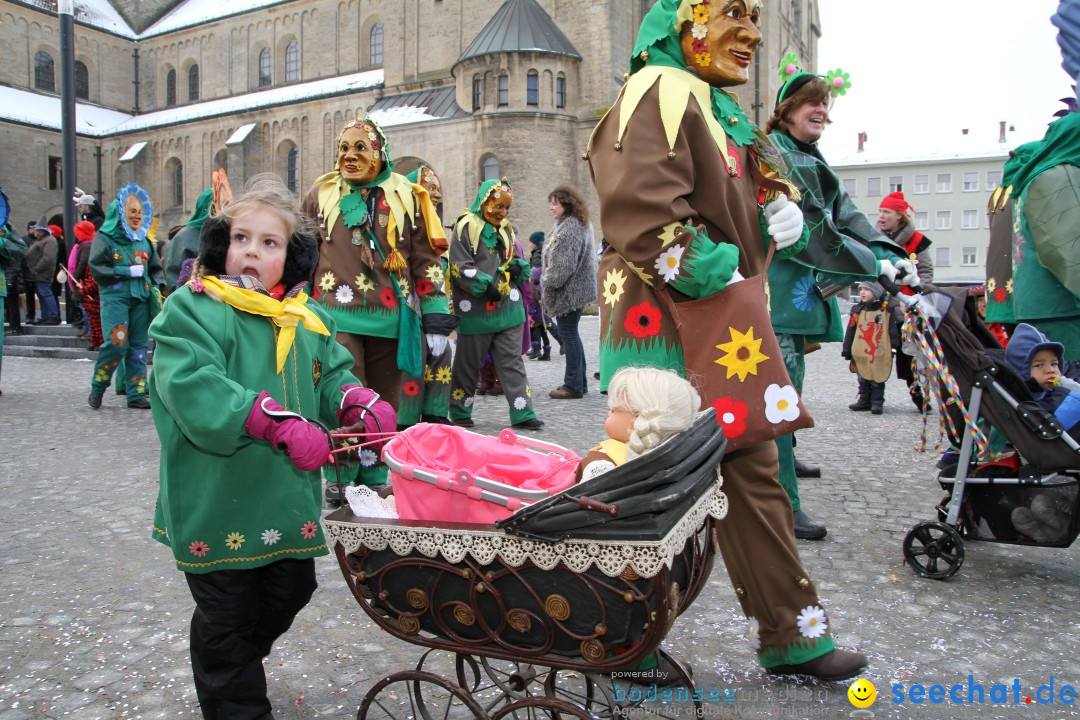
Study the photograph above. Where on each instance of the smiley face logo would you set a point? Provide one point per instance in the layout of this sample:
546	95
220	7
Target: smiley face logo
862	693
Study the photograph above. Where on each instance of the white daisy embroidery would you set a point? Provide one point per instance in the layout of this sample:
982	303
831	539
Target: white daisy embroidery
669	262
699	31
344	294
812	622
465	306
368	457
270	537
781	403
755	634
520	403
514	295
468	401
469	272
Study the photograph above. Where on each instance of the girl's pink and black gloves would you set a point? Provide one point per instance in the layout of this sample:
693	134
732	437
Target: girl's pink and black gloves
363	411
307	446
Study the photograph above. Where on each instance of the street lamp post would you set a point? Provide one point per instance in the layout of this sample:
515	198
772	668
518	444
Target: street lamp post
66	10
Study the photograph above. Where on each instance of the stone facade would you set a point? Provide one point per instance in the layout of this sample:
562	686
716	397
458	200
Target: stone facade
536	147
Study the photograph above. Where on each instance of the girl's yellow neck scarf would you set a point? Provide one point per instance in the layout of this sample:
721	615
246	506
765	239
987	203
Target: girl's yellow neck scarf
286	314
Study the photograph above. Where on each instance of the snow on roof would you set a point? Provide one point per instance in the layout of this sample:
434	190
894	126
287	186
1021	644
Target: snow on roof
132	151
241	134
401	115
44	110
197	12
99	14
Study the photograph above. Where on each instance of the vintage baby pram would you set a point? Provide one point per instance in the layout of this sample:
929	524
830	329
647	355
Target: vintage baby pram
529	616
988	497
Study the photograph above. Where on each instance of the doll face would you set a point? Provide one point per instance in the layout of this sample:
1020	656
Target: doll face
730	41
1045	368
258	245
133	212
618	425
887	220
430	182
495	209
359	160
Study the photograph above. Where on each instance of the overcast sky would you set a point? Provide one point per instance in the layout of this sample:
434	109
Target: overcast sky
922	70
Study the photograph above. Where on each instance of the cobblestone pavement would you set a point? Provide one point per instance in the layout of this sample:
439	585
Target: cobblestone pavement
94	617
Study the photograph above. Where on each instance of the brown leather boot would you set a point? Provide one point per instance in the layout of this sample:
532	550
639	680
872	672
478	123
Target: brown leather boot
832	666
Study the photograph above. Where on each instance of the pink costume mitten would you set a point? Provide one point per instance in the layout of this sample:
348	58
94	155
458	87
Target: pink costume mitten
362	410
307	446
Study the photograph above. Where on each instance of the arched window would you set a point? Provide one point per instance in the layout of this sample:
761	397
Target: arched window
532	89
560	91
82	81
375	45
292	62
193	83
491	168
170	88
477	92
44	76
178	184
504	90
292	169
265	68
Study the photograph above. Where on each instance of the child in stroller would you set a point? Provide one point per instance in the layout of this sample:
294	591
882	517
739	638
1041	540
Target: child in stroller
1039	361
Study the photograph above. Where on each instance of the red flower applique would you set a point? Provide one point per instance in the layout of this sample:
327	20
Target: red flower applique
700	46
490	305
199	548
387	297
411	388
731	414
382	205
309	530
642	320
424	287
999	295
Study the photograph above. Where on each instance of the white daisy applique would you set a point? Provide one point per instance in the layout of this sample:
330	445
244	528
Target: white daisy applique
270	537
781	403
465	305
520	403
812	623
344	295
755	633
469	272
368	457
669	262
514	295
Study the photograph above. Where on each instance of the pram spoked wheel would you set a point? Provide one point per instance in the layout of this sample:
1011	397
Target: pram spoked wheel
934	550
418	695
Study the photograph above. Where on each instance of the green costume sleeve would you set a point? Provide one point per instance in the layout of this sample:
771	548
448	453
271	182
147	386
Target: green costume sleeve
1052	214
12	247
155	272
524	270
102	265
707	267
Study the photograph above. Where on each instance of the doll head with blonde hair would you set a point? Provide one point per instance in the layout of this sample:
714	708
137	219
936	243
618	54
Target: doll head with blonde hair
647	406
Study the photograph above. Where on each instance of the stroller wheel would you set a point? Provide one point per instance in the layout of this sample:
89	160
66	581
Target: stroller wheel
934	550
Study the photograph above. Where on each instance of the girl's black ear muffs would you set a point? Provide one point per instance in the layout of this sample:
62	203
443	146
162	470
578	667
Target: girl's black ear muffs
214	244
301	259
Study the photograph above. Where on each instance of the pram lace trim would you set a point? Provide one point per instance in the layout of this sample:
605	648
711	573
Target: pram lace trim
611	557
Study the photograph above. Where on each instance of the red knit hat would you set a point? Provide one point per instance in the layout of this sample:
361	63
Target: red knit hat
895	201
57	231
85	230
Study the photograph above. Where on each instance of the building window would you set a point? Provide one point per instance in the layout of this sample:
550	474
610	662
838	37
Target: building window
375	45
532	89
560	92
944	182
849	186
477	92
170	88
292	62
504	90
971	181
896	183
942	257
266	67
82	81
56	173
970	220
193	83
44	76
491	168
178	185
993	179
292	175
922	184
873	187
944	220
922	220
969	255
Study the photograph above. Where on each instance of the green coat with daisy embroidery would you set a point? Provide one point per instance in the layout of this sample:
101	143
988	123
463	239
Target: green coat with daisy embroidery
227	501
475	264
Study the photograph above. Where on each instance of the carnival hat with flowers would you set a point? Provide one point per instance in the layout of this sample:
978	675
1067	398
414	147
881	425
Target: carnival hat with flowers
794	77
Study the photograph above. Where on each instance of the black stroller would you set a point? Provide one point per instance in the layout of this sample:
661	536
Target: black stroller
1001	500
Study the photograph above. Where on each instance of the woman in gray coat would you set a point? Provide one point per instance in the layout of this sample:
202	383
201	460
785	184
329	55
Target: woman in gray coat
568	281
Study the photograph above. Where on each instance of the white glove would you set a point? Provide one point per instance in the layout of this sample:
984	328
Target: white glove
137	270
905	271
436	343
888	270
785	222
735	277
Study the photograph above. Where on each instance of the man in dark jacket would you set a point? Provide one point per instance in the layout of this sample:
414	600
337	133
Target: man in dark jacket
41	270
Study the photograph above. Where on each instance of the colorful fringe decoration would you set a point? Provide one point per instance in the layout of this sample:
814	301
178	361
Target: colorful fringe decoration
395	262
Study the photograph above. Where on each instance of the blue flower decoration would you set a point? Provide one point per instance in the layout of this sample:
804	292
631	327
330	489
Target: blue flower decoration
147	210
803	293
